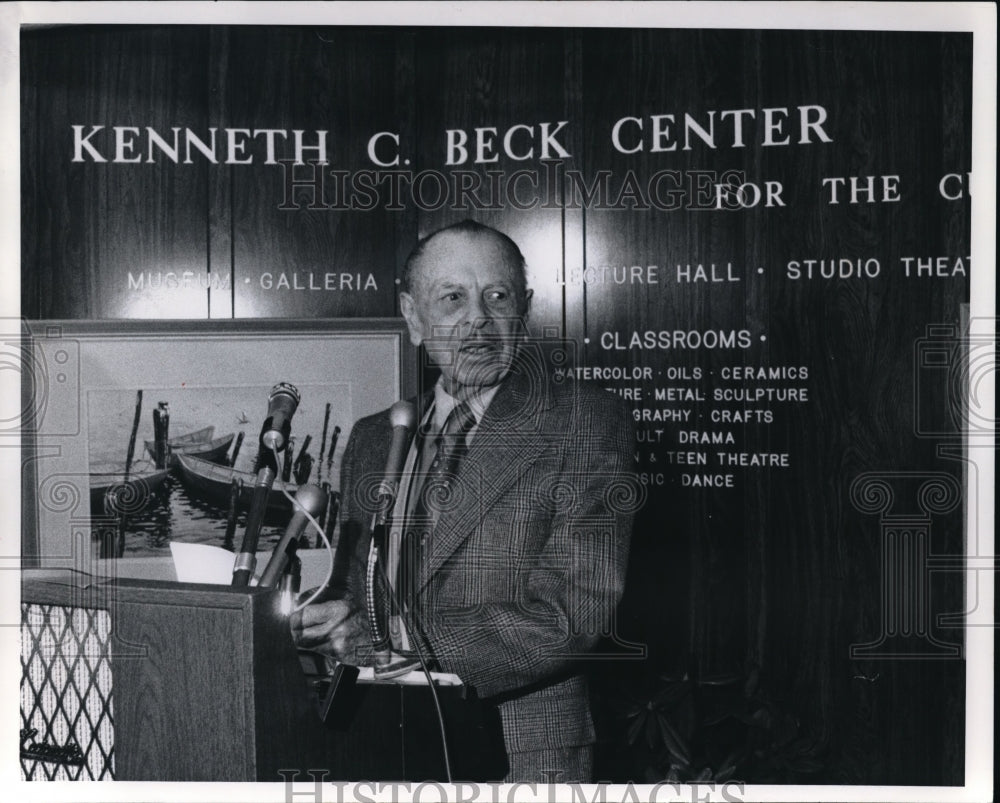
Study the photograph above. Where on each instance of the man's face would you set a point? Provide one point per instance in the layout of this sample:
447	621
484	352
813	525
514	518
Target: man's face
467	308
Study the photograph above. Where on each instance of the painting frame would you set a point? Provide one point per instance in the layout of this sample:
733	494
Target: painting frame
65	360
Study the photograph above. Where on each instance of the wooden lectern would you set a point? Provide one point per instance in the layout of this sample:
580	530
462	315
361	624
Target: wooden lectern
205	684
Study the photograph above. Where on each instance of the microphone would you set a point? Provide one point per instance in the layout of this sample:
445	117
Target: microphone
403	417
308	499
246	558
281	406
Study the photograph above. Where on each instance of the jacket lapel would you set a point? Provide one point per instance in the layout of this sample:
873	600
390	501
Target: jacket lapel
509	438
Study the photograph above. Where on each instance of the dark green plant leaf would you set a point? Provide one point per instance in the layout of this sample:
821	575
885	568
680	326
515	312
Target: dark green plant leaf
725	773
634	730
651	731
674	741
671	694
719	680
729	710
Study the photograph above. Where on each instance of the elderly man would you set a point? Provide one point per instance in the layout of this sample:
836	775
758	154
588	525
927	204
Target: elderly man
516	563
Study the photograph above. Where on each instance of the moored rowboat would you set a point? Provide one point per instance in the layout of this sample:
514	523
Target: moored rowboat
198	436
111	493
212	482
214	450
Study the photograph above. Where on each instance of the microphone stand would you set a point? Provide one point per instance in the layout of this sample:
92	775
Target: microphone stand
378	587
309	499
246	560
274	436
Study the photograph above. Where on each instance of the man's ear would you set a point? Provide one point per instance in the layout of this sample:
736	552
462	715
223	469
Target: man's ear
409	309
527	302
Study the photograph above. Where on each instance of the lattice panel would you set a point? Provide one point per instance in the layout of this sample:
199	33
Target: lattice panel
67	725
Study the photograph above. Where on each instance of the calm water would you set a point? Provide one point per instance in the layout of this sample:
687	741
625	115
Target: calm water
174	514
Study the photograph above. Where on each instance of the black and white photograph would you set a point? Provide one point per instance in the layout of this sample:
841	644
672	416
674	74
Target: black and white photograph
499	401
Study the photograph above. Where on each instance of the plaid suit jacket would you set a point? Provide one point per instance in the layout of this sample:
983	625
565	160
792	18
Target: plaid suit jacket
523	571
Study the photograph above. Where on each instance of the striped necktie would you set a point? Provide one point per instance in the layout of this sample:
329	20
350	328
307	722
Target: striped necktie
435	494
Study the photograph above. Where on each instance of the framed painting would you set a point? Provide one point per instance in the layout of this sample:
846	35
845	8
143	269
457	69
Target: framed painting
140	433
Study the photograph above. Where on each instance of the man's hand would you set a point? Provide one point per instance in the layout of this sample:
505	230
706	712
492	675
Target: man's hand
333	628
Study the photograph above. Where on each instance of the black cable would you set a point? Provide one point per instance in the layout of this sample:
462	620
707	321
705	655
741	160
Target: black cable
423	665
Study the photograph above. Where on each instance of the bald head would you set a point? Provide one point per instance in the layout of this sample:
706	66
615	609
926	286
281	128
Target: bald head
484	237
465	298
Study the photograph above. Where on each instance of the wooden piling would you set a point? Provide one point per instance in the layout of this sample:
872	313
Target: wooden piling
235	491
161	435
322	440
135	429
236	448
302	467
286	462
333	448
121	523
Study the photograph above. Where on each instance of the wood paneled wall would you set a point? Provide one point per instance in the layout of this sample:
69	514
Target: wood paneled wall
779	576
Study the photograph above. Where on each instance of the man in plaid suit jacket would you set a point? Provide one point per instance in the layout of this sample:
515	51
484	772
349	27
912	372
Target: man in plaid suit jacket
520	574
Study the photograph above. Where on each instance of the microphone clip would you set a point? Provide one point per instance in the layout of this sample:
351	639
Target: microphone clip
269	438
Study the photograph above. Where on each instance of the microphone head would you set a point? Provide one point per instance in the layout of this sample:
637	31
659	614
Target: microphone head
403	414
281	406
287	389
311	498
